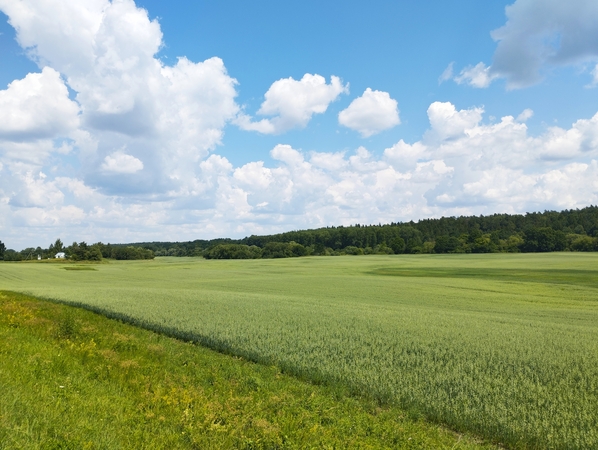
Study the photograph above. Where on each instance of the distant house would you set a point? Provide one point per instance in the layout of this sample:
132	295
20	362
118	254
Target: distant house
60	255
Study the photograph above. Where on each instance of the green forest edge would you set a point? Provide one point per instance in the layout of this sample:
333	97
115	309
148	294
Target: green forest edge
569	230
68	370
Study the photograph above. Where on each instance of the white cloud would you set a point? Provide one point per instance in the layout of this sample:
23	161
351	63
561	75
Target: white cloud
33	191
478	76
328	161
170	116
463	166
119	162
37	107
254	174
539	35
405	155
293	103
448	123
371	113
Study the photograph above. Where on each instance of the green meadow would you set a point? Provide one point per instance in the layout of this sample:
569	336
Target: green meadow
504	346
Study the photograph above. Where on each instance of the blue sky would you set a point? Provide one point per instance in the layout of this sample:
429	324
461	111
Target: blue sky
128	121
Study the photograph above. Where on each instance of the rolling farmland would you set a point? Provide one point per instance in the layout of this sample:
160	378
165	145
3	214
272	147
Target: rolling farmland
505	346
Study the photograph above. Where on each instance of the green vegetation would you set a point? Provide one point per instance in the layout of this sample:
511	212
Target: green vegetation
504	346
72	379
573	230
79	252
570	230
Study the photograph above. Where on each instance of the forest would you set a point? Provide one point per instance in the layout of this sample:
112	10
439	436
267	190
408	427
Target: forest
568	230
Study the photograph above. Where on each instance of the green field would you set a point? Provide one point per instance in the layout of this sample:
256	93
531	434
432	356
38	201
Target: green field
504	346
72	379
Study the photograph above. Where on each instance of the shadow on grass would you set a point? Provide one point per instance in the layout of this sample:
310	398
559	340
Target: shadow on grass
587	278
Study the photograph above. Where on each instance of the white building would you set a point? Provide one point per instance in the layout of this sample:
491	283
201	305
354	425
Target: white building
60	255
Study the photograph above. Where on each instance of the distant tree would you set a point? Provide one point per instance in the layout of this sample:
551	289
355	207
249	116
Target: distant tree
105	249
94	253
233	251
543	239
78	252
427	247
352	250
383	249
413	239
483	244
584	244
131	252
2	250
58	246
446	244
513	244
84	252
283	250
11	255
398	245
28	253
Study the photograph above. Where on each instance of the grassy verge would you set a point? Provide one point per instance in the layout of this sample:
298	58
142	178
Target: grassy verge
74	379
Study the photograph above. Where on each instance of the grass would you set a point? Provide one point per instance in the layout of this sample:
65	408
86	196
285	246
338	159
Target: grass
72	379
503	346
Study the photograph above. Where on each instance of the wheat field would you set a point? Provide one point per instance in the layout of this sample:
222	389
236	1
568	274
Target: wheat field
501	345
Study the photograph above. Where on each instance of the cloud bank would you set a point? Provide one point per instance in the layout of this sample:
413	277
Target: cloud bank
108	142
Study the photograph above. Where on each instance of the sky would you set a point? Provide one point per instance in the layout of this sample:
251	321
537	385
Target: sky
124	121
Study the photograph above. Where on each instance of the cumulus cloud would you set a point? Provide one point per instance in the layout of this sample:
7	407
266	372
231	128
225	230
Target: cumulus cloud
371	113
293	103
119	162
172	115
463	165
448	123
37	107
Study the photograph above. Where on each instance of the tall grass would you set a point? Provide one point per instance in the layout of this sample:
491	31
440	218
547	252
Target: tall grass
505	346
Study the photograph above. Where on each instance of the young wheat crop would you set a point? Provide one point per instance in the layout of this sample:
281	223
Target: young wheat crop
505	346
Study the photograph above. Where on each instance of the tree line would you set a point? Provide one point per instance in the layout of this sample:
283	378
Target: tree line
78	252
568	230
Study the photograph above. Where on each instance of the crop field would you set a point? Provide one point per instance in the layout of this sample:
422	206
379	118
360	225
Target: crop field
504	346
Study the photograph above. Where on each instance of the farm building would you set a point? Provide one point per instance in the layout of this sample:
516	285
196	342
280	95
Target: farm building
60	255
